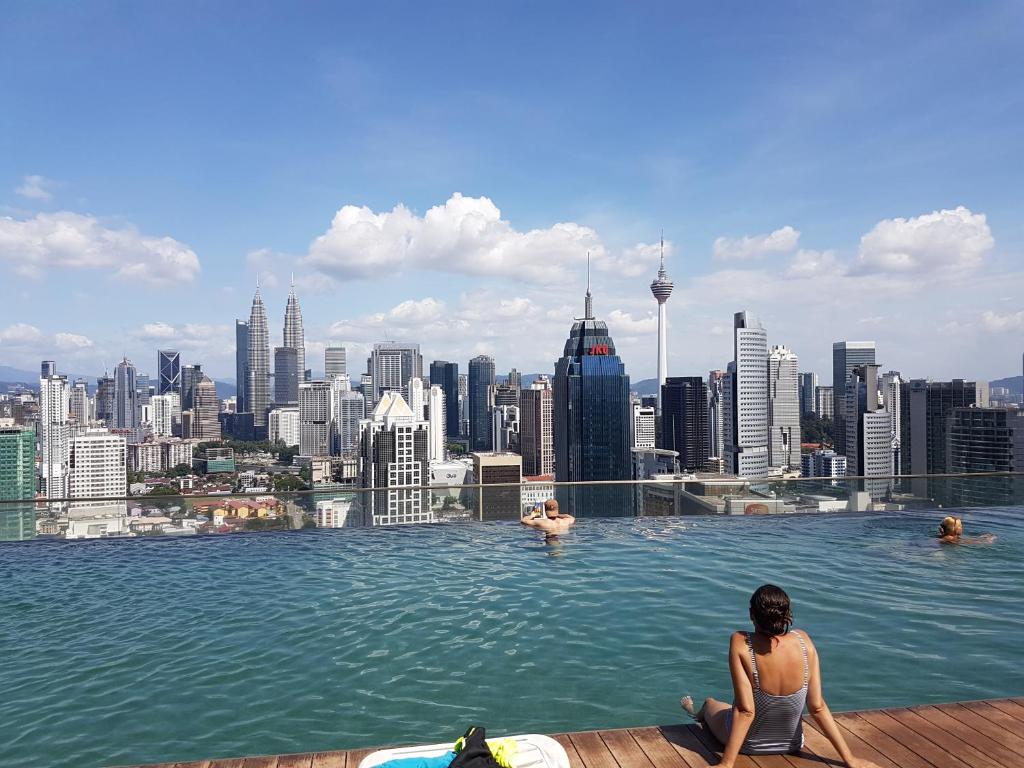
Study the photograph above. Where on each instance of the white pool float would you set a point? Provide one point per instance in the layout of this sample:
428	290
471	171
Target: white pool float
535	751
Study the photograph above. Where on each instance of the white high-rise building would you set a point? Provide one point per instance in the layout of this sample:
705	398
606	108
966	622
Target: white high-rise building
415	396
783	408
335	362
99	469
747	440
868	431
643	426
257	392
391	365
54	436
536	438
891	400
716	414
314	418
505	427
661	288
436	422
166	413
294	336
348	408
394	446
283	426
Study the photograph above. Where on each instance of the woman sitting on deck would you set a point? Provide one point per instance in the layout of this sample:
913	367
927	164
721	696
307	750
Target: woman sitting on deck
766	664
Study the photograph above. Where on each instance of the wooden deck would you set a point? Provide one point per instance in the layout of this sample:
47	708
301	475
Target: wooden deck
979	734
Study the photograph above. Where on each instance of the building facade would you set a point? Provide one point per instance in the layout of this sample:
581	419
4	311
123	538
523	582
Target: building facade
314	418
286	376
481	384
927	406
99	469
868	431
446	376
294	337
335	362
348	409
783	408
644	425
437	418
536	442
168	367
54	436
506	469
824	403
257	392
846	355
241	366
747	437
808	385
283	426
394	447
391	365
684	421
205	411
126	396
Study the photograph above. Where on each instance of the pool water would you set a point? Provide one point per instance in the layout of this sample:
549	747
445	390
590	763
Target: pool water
115	652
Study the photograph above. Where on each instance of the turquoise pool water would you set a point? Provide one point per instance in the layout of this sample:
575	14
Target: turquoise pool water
115	652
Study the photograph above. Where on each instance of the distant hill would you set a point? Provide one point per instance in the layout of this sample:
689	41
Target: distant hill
10	376
1012	383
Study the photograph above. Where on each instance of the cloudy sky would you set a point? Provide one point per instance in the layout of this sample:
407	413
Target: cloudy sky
439	174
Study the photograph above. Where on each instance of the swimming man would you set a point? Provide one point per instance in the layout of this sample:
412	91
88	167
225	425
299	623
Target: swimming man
551	521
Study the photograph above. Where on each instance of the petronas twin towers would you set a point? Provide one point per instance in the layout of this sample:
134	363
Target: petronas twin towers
257	386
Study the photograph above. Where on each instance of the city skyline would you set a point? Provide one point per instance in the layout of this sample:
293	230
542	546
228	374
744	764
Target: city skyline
468	199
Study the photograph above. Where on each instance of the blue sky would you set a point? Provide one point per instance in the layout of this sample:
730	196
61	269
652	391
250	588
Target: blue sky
843	171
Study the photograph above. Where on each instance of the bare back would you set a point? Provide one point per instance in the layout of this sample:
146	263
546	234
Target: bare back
780	663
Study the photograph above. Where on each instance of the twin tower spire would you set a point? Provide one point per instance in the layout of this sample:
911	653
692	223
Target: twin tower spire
257	384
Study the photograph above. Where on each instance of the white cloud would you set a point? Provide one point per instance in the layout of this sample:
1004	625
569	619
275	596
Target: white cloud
71	341
950	241
636	260
624	323
158	330
20	333
810	263
1001	322
263	262
750	247
465	235
36	187
68	240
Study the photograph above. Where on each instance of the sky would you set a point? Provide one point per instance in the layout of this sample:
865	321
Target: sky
438	172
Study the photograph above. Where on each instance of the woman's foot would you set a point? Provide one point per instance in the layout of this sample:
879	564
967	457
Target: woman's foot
687	704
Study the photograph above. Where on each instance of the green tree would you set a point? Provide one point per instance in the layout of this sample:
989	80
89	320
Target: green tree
815	429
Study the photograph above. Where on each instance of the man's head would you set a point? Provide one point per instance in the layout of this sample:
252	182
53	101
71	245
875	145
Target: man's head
551	509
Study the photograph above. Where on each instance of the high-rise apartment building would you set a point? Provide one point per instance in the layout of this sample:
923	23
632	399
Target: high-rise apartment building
348	409
79	403
168	368
17	483
416	397
286	376
205	411
824	402
661	289
314	418
747	437
335	362
892	400
536	428
98	469
54	436
166	414
241	365
684	421
446	376
437	418
783	408
644	429
924	428
294	335
846	355
868	431
481	382
716	414
283	426
394	448
592	418
808	385
391	365
257	394
126	396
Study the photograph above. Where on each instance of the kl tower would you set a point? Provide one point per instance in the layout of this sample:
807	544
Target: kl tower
662	289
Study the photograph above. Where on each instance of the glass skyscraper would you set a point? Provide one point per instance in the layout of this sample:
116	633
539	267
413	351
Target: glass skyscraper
241	365
846	355
592	420
481	379
168	366
446	376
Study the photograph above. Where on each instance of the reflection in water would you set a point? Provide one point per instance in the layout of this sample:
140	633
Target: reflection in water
17	522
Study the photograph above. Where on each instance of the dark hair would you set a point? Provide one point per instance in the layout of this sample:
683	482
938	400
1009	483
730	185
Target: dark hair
770	610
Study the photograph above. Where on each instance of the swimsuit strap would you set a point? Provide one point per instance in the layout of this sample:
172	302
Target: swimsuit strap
803	647
753	661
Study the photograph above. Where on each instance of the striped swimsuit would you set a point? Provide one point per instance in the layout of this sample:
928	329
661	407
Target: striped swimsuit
777	727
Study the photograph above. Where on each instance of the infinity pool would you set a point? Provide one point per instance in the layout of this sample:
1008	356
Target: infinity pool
115	652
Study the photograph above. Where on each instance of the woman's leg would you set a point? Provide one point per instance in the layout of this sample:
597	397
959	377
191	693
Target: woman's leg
716	718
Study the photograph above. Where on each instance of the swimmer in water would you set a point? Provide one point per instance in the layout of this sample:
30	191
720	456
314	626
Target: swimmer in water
548	519
951	531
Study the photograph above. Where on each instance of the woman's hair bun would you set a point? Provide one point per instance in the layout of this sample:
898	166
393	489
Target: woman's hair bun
770	610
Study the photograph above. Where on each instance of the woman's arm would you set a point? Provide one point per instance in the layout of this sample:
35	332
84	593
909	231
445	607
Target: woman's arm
742	701
822	715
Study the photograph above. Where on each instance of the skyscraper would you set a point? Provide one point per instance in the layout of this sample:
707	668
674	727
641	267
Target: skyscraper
54	436
47	369
446	376
335	362
392	364
416	397
846	355
166	410
436	422
661	288
348	409
808	384
892	400
514	379
105	399
126	396
168	367
644	429
747	437
294	336
535	428
17	482
287	376
257	395
394	447
716	414
783	408
824	403
868	431
205	410
592	415
190	376
926	406
481	380
79	403
99	469
684	421
241	366
314	418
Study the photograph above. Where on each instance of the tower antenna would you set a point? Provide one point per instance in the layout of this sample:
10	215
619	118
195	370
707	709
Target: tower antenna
588	303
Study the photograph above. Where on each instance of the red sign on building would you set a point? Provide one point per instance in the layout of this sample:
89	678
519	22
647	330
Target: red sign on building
599	349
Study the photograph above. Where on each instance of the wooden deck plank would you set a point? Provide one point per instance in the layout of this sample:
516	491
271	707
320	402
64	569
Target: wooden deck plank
684	741
625	750
939	734
332	759
978	741
996	718
303	760
192	764
659	751
232	762
913	740
570	750
1010	707
881	741
264	761
592	750
709	741
818	743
